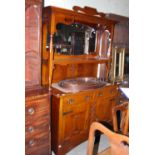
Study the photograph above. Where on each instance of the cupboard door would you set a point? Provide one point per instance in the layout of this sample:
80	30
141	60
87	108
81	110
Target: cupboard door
103	109
75	123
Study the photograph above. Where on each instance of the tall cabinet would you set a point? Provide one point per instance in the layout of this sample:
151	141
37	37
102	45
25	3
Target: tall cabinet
76	44
37	98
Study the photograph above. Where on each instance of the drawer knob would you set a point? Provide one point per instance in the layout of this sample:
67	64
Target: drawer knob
31	129
70	101
31	111
31	142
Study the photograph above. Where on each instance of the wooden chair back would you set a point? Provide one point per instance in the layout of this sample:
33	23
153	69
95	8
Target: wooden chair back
117	141
124	122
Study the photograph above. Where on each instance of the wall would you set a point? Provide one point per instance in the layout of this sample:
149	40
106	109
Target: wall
120	7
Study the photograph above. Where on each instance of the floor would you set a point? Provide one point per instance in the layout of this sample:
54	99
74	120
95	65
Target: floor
82	148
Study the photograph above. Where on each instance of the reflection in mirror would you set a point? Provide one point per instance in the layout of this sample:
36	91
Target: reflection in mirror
74	39
105	43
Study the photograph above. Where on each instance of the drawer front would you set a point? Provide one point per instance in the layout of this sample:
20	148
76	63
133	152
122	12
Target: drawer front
37	141
45	150
107	92
39	126
76	100
36	108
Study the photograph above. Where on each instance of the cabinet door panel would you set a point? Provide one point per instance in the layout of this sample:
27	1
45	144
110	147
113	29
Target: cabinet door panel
33	19
75	122
103	109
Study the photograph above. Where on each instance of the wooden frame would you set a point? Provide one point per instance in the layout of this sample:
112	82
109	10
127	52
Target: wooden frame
118	55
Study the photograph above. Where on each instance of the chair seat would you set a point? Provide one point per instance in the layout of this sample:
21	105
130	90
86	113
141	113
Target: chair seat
106	152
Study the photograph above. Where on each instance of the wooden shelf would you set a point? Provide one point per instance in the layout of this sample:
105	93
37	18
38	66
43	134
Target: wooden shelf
80	60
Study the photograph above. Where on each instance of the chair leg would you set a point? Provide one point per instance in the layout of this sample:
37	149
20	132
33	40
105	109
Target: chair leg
98	136
96	142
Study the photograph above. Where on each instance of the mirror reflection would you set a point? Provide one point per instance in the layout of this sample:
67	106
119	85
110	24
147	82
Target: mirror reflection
74	39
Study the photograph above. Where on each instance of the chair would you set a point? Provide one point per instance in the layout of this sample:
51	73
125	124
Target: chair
118	142
123	126
120	124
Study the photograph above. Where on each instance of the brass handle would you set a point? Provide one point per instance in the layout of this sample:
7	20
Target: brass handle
31	111
31	142
100	94
68	112
70	101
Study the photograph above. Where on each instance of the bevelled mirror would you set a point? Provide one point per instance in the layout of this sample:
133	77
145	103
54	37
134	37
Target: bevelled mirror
74	39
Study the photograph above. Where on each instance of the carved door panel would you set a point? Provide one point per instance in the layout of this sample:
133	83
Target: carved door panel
75	123
33	20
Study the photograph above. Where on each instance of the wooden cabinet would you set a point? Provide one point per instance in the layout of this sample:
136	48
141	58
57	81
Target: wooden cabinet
72	115
104	100
37	106
72	45
76	44
33	25
37	123
70	119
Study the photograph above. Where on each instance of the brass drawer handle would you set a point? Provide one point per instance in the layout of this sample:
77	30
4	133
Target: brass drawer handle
31	142
31	129
70	101
68	112
100	94
87	98
31	111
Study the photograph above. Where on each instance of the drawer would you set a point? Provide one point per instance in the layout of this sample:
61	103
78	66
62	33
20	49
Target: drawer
107	92
36	127
78	102
36	108
40	117
37	141
77	98
44	150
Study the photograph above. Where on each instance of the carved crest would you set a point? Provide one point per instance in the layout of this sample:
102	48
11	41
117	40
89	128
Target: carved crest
89	11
